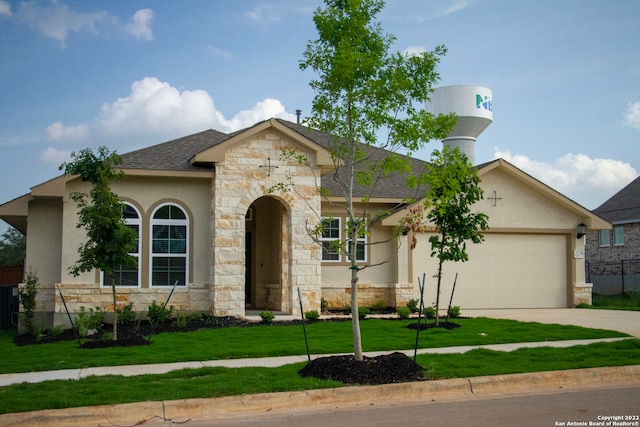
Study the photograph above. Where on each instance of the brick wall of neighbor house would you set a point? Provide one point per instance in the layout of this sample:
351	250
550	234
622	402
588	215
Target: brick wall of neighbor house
630	249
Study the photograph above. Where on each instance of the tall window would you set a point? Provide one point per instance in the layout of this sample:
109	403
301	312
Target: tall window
361	245
331	239
128	275
618	235
605	238
169	246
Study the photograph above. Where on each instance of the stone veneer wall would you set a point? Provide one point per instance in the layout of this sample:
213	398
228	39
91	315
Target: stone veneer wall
241	180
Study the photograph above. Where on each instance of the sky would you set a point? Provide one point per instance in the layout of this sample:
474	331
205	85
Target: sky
565	77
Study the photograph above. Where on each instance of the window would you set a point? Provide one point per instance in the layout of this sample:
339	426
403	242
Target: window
169	246
604	238
330	239
618	235
128	275
361	245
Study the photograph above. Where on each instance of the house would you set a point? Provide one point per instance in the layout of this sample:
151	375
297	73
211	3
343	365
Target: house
206	218
613	254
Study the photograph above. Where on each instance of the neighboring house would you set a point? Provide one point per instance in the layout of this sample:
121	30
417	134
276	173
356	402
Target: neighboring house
610	250
206	218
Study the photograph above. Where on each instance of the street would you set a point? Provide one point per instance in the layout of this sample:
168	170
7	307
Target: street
608	407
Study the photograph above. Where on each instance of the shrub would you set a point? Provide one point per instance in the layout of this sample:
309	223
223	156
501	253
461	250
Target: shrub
413	305
379	305
267	317
27	294
363	312
454	312
181	319
323	305
159	313
430	312
126	314
312	316
89	321
403	312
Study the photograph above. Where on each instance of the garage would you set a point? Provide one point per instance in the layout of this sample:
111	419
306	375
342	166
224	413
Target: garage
506	271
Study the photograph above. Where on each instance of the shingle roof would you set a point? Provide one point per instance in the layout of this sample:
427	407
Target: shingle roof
175	155
624	206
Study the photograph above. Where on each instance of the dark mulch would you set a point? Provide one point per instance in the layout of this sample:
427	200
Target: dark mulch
444	325
385	369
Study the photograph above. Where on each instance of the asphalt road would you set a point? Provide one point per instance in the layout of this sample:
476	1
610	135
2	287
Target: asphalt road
583	407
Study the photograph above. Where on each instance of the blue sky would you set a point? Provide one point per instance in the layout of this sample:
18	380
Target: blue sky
565	76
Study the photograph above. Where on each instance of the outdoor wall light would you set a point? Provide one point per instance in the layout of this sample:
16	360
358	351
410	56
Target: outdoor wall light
582	230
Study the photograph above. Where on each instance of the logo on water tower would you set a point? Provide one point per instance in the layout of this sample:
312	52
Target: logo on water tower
484	102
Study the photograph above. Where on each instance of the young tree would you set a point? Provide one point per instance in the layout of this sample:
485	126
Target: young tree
453	187
109	240
365	95
13	247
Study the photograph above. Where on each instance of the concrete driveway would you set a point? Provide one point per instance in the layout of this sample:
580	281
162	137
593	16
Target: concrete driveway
616	320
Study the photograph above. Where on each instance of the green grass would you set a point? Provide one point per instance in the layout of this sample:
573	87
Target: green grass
217	382
626	301
268	341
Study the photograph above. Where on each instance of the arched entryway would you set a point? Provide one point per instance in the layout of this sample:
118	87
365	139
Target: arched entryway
266	277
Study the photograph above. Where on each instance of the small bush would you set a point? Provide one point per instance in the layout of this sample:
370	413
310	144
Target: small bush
159	313
27	294
454	312
413	305
312	316
403	312
267	317
430	312
363	312
379	305
181	319
126	314
323	305
89	321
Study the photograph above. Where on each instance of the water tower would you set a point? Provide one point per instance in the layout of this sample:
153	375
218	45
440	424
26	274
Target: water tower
474	107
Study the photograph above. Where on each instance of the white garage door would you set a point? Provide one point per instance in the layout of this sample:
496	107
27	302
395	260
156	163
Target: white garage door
509	271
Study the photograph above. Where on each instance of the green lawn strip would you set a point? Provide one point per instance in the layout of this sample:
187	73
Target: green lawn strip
269	341
217	382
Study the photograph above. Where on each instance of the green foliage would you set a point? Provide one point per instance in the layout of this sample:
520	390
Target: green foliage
413	305
267	317
109	240
454	312
363	312
158	313
89	321
181	319
13	248
379	305
627	300
430	312
27	295
403	312
366	95
126	315
324	305
312	315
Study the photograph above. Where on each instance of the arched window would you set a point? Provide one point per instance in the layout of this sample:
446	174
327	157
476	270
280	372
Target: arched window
169	246
128	275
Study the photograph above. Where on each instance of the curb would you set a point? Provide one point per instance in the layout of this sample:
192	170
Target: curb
184	410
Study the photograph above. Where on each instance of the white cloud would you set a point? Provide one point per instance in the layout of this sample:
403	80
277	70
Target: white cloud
632	115
217	51
140	25
579	177
264	13
414	51
57	131
5	8
56	20
159	110
54	156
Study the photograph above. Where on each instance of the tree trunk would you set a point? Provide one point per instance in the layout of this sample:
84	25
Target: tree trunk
355	314
115	311
438	292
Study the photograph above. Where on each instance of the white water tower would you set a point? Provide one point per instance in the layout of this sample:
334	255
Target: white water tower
474	107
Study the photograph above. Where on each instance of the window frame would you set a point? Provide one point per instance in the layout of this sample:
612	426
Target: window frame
618	238
170	222
342	257
138	255
329	239
601	238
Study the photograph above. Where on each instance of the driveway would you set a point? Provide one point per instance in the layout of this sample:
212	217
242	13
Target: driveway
616	320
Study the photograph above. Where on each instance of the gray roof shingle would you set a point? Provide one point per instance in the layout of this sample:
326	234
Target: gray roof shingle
624	206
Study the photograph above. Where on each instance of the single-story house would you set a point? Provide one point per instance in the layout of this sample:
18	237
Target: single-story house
205	218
